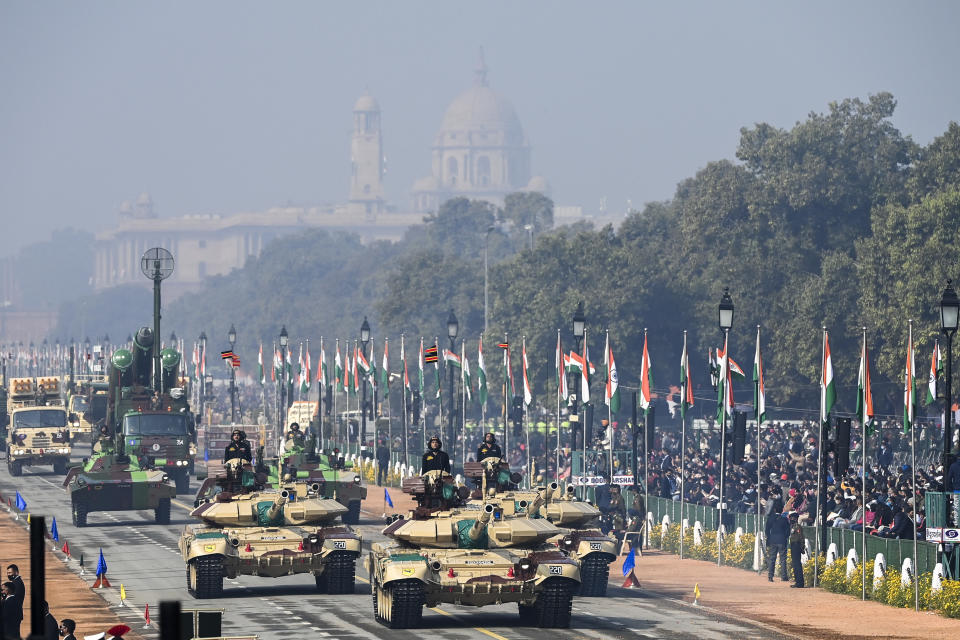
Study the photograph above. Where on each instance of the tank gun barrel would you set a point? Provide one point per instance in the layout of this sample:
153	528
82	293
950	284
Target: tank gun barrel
481	523
277	506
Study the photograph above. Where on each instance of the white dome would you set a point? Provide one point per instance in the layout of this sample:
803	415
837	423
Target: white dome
366	102
481	109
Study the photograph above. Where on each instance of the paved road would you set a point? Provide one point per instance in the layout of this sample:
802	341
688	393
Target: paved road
144	557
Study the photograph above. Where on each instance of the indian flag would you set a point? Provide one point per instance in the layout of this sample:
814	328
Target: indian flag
686	387
864	395
909	391
337	367
420	368
646	378
385	369
560	362
322	373
465	374
406	373
612	392
725	402
360	360
262	377
450	358
759	394
527	394
828	390
935	367
481	375
306	368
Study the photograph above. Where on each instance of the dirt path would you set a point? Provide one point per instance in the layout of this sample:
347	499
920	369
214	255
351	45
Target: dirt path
807	613
69	596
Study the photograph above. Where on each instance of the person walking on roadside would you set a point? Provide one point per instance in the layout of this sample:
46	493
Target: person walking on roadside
796	549
777	531
12	613
383	461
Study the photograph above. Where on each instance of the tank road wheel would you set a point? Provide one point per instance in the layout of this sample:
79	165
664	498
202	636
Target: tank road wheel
340	573
161	514
16	468
79	513
594	573
352	516
60	467
182	480
205	577
552	608
399	605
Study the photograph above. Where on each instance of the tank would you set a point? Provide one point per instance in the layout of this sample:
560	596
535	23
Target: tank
336	477
451	551
582	540
247	528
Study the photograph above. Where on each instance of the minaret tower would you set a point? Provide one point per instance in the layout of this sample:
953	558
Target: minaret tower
366	159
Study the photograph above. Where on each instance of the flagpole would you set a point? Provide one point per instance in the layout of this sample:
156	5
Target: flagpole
863	494
463	400
561	371
913	470
526	416
436	366
727	381
584	375
335	427
506	382
756	524
609	409
683	440
321	383
824	418
403	401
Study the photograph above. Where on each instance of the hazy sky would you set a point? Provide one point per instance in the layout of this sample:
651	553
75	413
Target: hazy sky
229	106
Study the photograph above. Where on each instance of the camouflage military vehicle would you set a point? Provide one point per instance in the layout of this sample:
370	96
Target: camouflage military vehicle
336	477
452	552
38	436
584	543
249	529
115	477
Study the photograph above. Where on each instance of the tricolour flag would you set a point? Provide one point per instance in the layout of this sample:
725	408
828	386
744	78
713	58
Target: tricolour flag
725	402
560	362
262	375
527	394
481	375
646	378
403	359
450	358
612	391
323	375
759	392
909	386
361	362
337	367
864	394
420	368
585	372
935	367
828	390
686	388
465	374
307	371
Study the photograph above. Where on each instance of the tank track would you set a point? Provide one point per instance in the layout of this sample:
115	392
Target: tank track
161	514
339	575
405	598
552	610
209	572
594	573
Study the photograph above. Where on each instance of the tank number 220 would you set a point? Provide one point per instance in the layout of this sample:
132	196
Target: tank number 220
556	570
339	544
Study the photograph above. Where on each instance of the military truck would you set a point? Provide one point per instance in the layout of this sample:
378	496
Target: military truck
38	436
335	477
451	552
87	408
582	541
249	529
119	476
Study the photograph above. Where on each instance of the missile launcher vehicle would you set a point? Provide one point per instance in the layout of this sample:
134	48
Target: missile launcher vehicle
451	552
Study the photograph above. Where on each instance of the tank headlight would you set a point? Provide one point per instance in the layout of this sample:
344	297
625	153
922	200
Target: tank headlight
356	479
567	542
524	565
165	478
313	539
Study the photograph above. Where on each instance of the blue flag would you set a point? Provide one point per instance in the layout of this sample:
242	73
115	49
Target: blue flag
386	496
21	503
206	454
629	563
53	530
101	564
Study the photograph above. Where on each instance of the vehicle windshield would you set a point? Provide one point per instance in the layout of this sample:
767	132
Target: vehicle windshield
56	418
155	424
98	407
78	404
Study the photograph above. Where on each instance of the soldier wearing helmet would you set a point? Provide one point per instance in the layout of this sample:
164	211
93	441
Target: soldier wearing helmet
239	447
435	458
489	448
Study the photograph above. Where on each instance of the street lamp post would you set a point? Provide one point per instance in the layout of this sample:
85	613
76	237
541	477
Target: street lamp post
364	340
486	246
284	339
725	320
949	317
232	339
453	328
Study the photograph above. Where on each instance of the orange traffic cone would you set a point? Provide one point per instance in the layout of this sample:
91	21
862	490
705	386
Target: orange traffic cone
146	617
631	581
